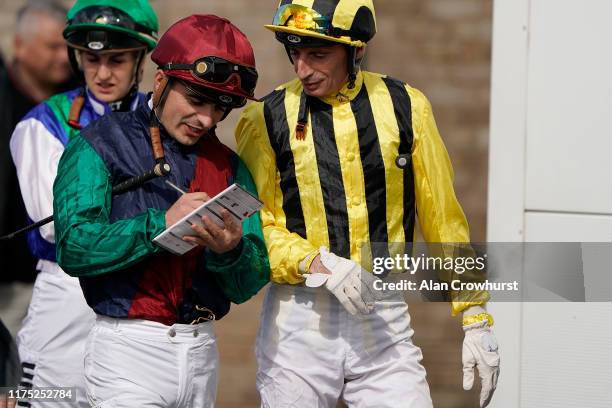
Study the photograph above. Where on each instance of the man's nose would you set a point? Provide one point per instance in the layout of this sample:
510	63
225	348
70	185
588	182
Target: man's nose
104	72
302	69
208	115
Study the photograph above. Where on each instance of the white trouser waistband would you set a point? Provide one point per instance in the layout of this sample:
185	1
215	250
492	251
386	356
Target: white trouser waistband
158	332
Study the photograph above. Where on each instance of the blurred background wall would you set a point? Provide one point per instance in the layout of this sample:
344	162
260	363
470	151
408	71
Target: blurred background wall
441	47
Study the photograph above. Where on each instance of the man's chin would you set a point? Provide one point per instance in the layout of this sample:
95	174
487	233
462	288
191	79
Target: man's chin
319	92
316	93
184	139
106	97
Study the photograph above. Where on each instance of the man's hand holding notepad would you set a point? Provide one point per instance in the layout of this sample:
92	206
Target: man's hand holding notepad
239	203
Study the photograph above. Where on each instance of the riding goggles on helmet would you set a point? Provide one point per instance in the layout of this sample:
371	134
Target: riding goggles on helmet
304	18
108	16
219	71
294	15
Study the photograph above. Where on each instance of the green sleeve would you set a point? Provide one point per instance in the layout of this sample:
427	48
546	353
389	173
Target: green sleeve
87	243
241	273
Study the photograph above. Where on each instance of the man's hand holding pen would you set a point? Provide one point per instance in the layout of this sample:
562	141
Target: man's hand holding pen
218	239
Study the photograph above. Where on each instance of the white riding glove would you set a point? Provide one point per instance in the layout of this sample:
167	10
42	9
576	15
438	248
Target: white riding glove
480	350
347	281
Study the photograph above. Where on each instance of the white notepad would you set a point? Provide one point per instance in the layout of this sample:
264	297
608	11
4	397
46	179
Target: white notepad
236	200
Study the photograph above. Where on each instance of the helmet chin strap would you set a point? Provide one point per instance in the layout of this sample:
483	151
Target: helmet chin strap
225	115
124	104
352	66
74	64
288	53
159	95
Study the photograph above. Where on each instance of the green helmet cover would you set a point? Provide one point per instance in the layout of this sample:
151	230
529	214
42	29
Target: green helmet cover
143	25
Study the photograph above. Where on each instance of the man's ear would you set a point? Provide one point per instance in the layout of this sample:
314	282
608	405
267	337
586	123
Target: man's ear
140	68
157	81
360	53
160	83
79	58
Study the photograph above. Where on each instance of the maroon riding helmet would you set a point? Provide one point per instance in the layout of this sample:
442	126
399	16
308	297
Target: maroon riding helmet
212	56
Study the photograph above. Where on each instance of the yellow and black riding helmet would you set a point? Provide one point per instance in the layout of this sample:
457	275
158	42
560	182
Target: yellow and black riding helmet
308	23
321	23
103	26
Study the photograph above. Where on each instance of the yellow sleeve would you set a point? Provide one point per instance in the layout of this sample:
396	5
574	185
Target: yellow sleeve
285	249
441	217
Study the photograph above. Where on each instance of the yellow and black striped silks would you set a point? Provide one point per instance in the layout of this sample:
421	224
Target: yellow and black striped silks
339	187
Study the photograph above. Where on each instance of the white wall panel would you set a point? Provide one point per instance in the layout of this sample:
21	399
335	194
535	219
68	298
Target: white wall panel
569	126
555	227
550	180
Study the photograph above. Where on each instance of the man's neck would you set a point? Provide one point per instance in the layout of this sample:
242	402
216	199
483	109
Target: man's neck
29	85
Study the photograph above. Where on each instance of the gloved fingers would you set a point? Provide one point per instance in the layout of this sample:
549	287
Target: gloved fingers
469	362
495	377
487	387
345	301
363	307
488	377
486	401
354	296
367	293
360	294
468	377
480	349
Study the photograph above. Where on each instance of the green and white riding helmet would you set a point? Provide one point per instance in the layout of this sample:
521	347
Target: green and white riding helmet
104	26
